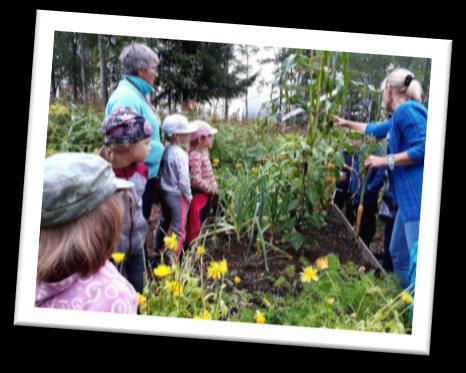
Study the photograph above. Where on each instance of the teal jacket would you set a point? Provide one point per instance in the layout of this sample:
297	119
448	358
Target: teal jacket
127	95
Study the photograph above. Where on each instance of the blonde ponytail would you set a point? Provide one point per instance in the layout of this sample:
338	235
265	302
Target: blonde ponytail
404	83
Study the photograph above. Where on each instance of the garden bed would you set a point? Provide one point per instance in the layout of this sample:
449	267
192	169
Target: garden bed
248	263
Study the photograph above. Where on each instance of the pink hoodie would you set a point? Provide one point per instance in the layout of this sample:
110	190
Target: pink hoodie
106	290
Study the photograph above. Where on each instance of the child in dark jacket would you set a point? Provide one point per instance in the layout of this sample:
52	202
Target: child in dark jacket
341	195
127	143
374	182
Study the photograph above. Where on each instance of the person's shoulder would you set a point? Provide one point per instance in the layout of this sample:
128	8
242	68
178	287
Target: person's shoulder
409	107
125	96
195	155
142	169
117	294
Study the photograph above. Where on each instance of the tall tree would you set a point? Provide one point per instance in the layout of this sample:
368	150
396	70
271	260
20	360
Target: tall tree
82	55
103	70
247	52
75	67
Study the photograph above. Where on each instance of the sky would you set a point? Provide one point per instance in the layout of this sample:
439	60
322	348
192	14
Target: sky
256	94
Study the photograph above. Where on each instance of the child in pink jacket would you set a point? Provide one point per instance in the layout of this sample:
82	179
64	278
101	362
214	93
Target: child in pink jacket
203	183
80	228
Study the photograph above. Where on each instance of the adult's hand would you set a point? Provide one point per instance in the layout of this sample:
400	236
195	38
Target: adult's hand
375	161
345	123
338	121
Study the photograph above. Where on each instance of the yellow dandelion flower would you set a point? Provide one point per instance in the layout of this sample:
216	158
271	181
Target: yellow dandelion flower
237	280
204	315
215	163
255	169
175	287
322	263
142	300
260	317
200	251
309	274
162	271
266	302
353	315
217	269
118	257
330	301
171	242
239	165
406	297
223	266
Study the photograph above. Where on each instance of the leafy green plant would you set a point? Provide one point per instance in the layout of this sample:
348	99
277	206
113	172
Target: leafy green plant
74	128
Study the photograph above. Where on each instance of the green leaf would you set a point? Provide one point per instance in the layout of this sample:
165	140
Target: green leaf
293	205
297	240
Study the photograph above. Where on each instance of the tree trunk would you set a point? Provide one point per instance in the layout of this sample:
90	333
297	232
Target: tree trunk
247	78
103	72
75	69
170	102
54	84
226	109
83	70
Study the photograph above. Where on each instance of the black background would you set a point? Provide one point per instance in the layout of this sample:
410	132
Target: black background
46	348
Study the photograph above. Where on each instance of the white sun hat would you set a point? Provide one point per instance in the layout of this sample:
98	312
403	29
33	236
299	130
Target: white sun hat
204	129
177	124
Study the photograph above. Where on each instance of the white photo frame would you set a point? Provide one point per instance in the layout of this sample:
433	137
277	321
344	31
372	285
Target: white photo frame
47	22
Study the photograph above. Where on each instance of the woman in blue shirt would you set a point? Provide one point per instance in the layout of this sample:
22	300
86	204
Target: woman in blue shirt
405	132
139	73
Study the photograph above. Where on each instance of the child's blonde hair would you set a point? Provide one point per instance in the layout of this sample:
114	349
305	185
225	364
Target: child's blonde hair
397	80
82	245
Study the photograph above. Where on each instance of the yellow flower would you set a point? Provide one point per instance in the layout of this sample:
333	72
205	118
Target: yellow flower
237	280
215	163
175	287
309	275
239	165
406	297
330	301
162	271
204	315
265	158
171	242
331	166
353	315
118	257
141	300
322	263
260	317
266	302
255	169
217	269
200	251
223	267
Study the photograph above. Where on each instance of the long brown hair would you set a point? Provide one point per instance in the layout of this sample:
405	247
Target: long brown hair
82	245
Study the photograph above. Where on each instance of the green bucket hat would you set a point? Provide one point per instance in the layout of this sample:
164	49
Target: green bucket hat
74	184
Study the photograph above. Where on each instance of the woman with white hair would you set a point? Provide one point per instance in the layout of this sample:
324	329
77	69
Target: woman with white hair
139	73
405	132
